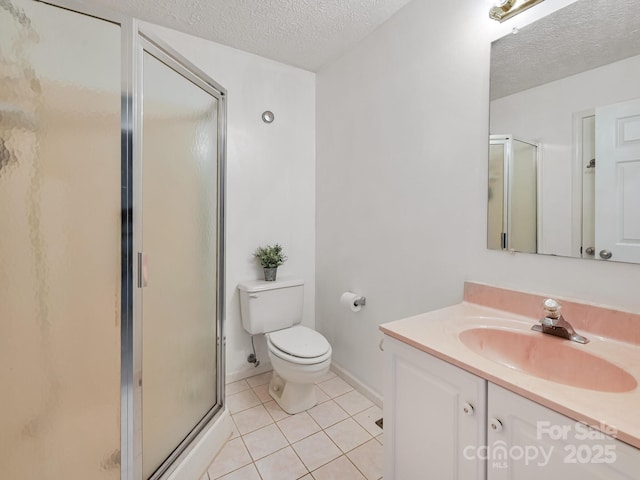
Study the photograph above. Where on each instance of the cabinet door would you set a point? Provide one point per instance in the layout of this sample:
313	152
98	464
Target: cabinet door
527	441
427	430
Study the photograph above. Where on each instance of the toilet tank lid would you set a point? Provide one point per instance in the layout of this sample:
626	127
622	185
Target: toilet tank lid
260	285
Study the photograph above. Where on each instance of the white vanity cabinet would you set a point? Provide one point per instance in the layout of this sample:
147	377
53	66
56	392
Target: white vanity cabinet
432	411
527	441
442	422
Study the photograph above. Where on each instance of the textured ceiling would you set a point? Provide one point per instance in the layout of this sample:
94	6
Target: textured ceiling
584	35
303	33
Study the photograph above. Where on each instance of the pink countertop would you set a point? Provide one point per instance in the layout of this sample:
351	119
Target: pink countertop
437	333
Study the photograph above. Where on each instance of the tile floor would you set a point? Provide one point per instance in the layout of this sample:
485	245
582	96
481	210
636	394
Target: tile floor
335	440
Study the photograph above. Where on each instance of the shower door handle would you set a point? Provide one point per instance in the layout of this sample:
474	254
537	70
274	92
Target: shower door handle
142	270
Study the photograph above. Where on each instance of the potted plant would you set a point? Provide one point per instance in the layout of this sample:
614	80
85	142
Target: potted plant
270	257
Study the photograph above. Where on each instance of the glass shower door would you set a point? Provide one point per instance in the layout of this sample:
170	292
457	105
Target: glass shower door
60	244
179	267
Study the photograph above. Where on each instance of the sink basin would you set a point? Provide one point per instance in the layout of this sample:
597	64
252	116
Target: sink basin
549	358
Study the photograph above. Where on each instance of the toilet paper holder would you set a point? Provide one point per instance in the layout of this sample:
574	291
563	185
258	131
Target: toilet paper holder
360	301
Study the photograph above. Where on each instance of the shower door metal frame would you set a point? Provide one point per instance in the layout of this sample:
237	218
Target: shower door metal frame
133	40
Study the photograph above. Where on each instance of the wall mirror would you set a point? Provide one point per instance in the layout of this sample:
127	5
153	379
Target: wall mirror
564	166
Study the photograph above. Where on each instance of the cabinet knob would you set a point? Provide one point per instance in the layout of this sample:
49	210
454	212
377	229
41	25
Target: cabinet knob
467	409
605	254
495	425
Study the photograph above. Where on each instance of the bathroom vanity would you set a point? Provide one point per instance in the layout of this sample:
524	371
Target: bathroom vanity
471	392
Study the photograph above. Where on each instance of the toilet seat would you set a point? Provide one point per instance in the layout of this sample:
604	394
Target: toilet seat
300	345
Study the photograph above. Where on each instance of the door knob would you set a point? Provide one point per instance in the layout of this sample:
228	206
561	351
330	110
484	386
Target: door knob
605	254
467	409
590	251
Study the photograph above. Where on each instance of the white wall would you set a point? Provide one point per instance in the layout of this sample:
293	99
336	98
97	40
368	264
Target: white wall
402	128
270	173
544	114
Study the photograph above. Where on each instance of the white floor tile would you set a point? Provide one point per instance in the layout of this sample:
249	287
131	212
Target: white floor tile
262	392
282	465
335	387
241	401
298	426
348	434
368	419
316	450
353	402
321	396
234	431
232	456
236	387
264	441
327	414
261	379
327	376
275	411
340	469
252	419
368	458
245	473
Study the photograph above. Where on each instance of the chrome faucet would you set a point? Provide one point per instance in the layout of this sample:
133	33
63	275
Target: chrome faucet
554	323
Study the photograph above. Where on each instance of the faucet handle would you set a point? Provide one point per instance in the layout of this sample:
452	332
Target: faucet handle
552	308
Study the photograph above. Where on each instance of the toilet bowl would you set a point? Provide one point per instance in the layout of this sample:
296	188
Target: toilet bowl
299	357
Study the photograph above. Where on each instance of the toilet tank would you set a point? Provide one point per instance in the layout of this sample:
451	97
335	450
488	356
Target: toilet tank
269	306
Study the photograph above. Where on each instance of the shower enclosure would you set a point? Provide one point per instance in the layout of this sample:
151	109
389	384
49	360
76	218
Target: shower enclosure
512	209
112	154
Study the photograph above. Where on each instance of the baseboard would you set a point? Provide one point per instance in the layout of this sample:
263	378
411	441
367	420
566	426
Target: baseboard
365	390
208	445
265	366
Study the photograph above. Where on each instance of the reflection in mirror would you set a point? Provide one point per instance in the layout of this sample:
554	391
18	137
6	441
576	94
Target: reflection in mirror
570	84
512	211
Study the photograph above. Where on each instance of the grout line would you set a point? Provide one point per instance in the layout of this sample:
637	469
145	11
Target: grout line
303	464
355	466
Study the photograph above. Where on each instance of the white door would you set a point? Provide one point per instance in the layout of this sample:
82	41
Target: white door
618	182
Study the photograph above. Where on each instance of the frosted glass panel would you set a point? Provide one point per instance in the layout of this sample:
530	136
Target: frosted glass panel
179	239
523	185
495	209
59	244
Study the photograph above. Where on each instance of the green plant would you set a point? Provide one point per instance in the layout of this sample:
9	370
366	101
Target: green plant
270	256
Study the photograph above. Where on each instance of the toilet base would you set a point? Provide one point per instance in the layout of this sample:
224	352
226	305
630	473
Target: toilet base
292	397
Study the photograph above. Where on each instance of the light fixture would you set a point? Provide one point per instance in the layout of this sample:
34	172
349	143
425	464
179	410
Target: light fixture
505	9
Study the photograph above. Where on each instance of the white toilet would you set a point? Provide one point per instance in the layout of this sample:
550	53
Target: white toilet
299	355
